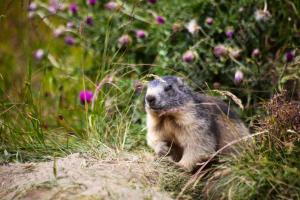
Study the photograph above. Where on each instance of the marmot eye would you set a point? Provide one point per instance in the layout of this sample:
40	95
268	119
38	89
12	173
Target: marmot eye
168	88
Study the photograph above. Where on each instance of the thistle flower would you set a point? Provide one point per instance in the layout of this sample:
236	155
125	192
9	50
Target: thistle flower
189	56
54	6
39	54
229	32
91	2
124	41
89	21
160	20
209	21
52	10
238	77
32	6
69	40
111	5
289	56
262	15
141	34
73	8
152	1
255	52
220	50
193	27
86	96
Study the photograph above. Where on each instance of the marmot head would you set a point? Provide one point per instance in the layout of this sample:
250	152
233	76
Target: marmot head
167	93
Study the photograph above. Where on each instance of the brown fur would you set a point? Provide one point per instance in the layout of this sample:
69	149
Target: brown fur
189	138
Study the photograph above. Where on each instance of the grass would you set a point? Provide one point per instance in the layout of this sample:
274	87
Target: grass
41	117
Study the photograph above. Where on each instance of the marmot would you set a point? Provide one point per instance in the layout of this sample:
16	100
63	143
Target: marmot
186	125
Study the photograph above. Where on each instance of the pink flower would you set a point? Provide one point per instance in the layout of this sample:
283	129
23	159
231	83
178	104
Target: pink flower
229	32
39	54
111	5
160	20
124	41
209	21
86	96
73	8
255	52
152	1
89	21
220	50
69	40
189	56
92	2
140	34
238	77
289	56
32	6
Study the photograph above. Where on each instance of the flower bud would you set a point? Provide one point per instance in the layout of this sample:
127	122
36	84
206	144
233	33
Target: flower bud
141	34
152	1
255	52
73	8
91	2
111	5
289	56
39	54
229	32
32	6
189	56
209	21
220	50
69	40
124	41
160	20
85	96
89	21
238	77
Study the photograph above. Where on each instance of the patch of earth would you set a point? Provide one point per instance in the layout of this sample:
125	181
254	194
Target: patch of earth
80	176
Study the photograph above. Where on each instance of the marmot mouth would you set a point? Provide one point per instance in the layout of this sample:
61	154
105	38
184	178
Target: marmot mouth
162	112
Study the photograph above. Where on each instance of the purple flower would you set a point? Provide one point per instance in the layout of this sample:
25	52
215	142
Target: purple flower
111	5
69	40
73	8
54	5
89	21
152	1
92	2
189	56
220	50
289	56
39	54
70	24
141	34
209	21
52	10
255	52
32	6
229	32
238	77
124	41
86	96
160	20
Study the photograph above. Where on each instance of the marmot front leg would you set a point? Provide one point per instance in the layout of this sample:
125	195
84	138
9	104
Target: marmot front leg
159	145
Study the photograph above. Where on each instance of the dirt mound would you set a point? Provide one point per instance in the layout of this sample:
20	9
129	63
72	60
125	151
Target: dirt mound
79	176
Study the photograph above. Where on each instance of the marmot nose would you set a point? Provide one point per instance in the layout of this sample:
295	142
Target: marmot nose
151	100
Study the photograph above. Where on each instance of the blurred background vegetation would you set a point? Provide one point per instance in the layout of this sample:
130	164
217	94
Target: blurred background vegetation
52	53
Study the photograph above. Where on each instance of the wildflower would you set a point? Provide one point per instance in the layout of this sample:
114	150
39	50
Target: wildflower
111	5
52	10
160	20
238	77
73	8
189	56
152	1
58	31
141	34
69	40
86	96
32	6
193	27
70	24
89	21
229	32
289	56
91	2
39	54
255	52
220	50
124	41
54	6
209	21
262	15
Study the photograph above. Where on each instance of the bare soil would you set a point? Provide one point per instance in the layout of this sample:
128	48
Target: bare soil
80	176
